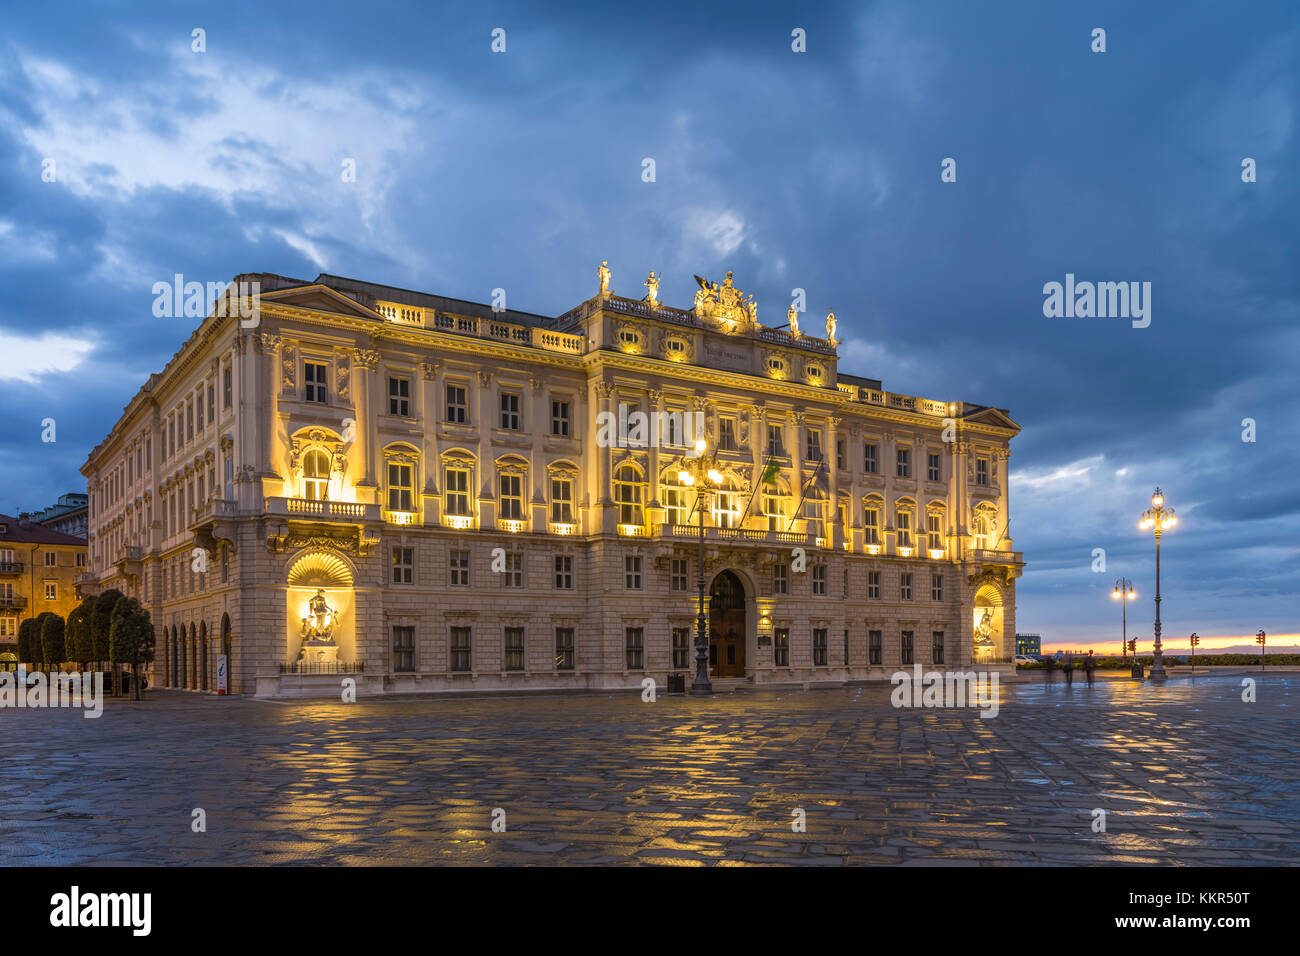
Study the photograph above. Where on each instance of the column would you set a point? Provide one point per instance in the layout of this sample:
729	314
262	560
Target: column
366	430
430	453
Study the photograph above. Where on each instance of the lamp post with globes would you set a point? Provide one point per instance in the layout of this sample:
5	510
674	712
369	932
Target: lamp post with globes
700	468
1159	518
1125	593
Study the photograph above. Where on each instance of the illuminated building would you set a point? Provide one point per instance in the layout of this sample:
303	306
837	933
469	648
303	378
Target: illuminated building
443	474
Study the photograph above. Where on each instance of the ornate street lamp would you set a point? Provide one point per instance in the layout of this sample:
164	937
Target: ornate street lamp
700	468
1124	593
1159	518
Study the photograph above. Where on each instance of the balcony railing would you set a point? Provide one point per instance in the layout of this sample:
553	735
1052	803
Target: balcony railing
997	557
11	567
401	517
13	601
508	332
322	667
752	535
214	508
322	510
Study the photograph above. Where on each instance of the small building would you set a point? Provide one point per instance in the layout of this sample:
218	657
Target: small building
38	572
70	515
1029	645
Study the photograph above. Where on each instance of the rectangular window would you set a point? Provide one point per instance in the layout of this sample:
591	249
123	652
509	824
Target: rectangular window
514	648
564	572
51	559
781	647
634	644
560	419
171	437
314	379
561	501
510	411
936	587
189	421
681	648
727	434
81	559
934	531
846	647
873	585
458	566
399	397
871	525
774	444
679	574
819	647
51	591
981	471
403	649
461	651
905	586
456	404
512	497
904	522
819	579
675	502
401	488
403	565
780	579
839	453
932	467
936	647
814	445
227	387
908	651
564	649
869	458
904	463
514	572
632	571
458	492
8	626
212	404
874	641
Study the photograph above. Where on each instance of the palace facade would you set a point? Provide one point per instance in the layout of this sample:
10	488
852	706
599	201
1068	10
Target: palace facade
337	478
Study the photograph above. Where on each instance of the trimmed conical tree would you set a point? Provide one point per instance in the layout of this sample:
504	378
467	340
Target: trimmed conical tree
53	651
131	639
29	636
81	644
101	619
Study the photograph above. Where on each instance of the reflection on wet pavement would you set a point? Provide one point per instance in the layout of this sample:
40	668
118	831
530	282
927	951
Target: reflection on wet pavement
1186	772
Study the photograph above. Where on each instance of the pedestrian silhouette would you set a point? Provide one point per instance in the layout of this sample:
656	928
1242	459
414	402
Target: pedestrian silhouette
1089	664
1069	669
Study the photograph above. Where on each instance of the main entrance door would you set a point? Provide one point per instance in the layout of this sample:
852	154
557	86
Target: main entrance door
727	626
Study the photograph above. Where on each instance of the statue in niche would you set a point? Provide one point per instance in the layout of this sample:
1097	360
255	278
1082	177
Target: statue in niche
318	626
984	630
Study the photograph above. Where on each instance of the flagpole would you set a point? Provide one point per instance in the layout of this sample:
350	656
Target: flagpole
804	493
758	484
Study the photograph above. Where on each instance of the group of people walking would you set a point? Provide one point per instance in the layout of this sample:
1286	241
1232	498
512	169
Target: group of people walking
1065	661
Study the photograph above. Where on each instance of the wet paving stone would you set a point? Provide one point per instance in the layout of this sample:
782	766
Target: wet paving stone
1186	773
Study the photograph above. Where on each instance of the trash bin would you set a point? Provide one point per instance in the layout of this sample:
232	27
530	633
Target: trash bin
676	683
1138	672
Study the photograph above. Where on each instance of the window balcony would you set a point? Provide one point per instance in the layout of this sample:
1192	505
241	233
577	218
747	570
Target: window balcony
11	567
15	601
512	525
936	553
307	509
401	517
562	528
690	532
633	531
458	522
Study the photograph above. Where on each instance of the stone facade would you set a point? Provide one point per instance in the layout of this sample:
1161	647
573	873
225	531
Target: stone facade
363	441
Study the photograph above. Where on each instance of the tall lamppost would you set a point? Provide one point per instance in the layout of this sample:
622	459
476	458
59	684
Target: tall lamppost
1125	593
700	467
1159	518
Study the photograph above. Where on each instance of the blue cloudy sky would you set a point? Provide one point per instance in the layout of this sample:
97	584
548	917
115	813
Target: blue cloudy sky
818	170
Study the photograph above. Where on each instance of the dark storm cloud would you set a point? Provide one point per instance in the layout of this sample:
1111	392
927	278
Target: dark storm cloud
818	171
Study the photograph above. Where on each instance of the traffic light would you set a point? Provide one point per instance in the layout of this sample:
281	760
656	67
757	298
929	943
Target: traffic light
1132	645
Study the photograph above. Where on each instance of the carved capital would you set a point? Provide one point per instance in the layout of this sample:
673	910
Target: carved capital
429	370
367	359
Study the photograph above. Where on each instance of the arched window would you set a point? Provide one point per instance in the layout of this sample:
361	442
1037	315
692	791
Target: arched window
316	476
903	524
627	495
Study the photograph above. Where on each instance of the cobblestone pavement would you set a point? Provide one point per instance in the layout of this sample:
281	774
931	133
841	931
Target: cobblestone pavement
1187	773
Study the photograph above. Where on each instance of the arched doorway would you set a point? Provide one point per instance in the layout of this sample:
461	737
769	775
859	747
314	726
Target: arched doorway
192	658
178	641
225	649
727	626
203	656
